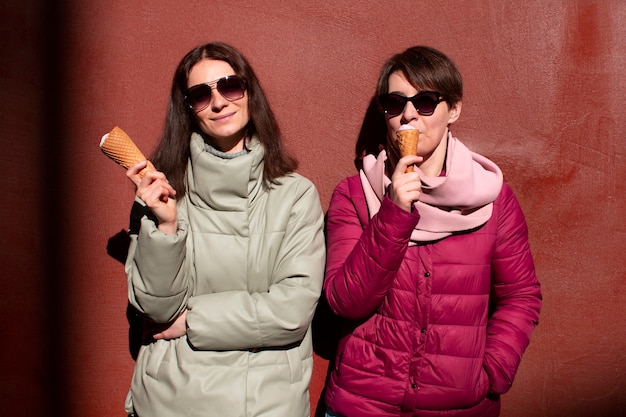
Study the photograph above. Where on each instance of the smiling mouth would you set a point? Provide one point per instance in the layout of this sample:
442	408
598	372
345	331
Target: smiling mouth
222	117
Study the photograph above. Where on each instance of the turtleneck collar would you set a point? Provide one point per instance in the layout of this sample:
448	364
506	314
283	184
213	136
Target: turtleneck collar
225	184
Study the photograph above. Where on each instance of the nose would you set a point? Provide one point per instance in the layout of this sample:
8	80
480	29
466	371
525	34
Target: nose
409	113
218	102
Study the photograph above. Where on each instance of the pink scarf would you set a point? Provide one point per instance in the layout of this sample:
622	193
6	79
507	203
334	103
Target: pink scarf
461	200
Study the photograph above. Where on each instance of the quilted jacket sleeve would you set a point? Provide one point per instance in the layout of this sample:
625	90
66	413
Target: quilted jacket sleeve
515	295
157	283
362	262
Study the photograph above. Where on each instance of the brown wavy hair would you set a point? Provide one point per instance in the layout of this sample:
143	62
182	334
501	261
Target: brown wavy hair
172	152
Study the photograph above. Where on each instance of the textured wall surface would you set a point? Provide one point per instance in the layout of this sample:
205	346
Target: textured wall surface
545	90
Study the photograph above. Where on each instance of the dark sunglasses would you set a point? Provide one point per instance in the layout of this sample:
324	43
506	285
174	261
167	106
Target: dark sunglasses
232	88
425	102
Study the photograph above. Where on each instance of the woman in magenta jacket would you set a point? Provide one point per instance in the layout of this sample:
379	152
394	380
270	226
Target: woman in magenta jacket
432	268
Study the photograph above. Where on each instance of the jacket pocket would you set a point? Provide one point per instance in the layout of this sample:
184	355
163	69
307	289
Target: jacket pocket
155	358
295	365
485	383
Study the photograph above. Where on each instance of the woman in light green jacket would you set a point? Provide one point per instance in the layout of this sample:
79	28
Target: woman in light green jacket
229	255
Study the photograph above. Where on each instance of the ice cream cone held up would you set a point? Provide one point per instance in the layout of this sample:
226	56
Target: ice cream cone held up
118	146
407	137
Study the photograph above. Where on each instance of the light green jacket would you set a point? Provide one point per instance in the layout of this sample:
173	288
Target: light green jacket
247	263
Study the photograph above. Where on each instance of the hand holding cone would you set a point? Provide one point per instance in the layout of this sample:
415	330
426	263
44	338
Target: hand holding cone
118	146
407	138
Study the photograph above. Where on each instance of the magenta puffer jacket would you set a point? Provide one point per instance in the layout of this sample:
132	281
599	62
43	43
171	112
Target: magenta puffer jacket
439	328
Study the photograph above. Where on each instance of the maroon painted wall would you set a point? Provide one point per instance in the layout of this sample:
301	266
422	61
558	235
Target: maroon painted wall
545	87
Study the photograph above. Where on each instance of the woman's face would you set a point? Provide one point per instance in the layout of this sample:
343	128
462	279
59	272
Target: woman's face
222	120
433	129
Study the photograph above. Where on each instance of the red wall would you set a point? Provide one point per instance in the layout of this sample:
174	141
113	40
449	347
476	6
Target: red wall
544	98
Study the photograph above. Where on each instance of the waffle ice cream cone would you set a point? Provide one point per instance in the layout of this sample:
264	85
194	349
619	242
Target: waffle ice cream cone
118	146
407	138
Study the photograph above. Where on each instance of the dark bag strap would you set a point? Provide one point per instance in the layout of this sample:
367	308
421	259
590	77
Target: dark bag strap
137	212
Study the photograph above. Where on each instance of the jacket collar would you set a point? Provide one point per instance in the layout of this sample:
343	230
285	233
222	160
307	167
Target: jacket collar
224	184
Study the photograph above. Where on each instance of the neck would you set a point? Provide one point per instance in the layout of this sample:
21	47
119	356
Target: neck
228	145
433	164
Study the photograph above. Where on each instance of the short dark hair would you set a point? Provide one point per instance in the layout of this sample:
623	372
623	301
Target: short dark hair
426	69
172	152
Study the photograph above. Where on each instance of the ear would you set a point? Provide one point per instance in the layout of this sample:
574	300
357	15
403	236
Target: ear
455	112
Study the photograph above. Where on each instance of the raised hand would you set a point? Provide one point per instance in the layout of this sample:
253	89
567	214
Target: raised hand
405	187
156	192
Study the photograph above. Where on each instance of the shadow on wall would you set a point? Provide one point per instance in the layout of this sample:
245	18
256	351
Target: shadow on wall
373	134
140	330
117	248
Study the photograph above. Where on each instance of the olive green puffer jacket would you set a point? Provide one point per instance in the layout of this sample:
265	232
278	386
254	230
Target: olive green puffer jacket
247	263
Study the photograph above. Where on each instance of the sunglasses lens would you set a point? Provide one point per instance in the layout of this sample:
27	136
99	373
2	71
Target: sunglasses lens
231	88
392	104
199	96
426	103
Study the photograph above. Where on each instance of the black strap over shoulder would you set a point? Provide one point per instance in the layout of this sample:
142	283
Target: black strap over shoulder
137	212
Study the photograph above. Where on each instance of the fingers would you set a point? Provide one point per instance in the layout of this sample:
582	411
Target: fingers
176	329
406	187
155	189
134	172
152	185
407	161
167	334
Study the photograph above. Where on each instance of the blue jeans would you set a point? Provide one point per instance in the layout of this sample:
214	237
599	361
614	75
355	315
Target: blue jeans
330	413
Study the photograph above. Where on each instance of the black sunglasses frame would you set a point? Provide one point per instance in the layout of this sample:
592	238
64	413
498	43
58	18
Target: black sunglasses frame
218	85
435	96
